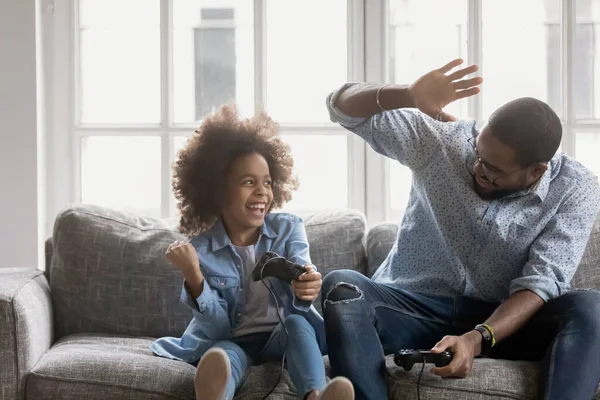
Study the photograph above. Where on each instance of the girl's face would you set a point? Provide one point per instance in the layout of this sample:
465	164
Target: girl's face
249	193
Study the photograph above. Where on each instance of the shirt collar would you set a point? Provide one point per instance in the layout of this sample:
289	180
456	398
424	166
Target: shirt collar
540	189
219	238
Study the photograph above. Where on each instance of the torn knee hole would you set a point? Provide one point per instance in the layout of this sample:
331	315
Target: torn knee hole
343	292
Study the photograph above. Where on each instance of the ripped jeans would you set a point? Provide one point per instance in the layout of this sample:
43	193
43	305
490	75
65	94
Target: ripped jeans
365	320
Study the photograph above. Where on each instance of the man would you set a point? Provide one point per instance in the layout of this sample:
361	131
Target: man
493	233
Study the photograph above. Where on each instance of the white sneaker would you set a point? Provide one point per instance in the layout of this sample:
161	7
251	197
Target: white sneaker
212	375
339	388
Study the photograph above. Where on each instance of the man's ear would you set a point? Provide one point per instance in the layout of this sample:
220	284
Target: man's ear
538	169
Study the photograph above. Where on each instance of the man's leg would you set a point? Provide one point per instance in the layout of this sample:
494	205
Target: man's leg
365	321
565	335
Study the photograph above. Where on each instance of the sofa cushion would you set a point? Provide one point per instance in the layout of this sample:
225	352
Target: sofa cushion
497	379
336	241
103	367
112	367
588	273
380	240
108	273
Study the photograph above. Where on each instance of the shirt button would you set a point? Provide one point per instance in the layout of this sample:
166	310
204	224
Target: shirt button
479	222
241	289
239	314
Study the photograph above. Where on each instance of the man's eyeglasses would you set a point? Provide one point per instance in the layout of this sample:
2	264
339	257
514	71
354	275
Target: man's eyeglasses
488	175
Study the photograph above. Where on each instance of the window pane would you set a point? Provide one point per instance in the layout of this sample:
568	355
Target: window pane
521	52
178	143
586	60
213	57
321	163
421	40
122	173
120	61
399	184
587	146
306	57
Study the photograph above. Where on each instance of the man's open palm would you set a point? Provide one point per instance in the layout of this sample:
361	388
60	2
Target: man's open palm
436	89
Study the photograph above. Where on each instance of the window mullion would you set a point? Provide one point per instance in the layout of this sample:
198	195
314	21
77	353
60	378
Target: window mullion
260	54
166	104
475	52
378	207
567	42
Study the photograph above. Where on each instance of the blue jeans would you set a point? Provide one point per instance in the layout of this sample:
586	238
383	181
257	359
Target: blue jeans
365	321
304	359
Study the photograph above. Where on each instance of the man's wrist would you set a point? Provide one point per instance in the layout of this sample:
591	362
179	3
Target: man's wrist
475	339
394	96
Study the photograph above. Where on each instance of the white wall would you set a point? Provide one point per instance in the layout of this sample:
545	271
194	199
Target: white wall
22	148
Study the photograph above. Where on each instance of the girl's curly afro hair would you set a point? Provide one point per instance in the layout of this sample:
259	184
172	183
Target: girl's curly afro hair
200	172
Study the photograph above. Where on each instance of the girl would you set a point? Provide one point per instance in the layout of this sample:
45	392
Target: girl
228	178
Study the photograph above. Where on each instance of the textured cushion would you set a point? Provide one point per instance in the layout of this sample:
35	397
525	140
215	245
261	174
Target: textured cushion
110	367
588	273
108	272
489	379
497	379
336	241
380	240
25	327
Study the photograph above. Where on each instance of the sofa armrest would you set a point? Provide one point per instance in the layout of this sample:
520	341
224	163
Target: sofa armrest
26	327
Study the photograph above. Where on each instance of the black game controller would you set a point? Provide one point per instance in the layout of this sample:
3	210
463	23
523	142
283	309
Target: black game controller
407	358
271	264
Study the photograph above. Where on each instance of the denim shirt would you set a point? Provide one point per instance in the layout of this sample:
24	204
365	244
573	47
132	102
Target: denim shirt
218	310
452	242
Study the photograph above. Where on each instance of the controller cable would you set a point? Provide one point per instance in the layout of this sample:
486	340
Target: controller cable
419	380
287	336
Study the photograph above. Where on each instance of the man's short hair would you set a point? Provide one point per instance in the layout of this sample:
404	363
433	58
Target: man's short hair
530	127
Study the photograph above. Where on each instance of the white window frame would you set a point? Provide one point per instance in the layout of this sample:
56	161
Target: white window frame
376	71
368	189
66	132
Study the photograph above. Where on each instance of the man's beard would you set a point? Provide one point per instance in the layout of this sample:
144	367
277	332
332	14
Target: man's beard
491	195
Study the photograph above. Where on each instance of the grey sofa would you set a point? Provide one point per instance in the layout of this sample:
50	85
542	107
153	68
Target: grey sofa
82	329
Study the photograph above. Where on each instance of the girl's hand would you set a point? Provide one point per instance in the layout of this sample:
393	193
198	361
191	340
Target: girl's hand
308	285
182	255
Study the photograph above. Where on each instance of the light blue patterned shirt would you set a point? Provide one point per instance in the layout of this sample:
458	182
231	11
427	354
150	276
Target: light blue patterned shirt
453	243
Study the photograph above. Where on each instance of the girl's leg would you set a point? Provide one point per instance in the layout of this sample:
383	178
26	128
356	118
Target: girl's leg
304	359
221	371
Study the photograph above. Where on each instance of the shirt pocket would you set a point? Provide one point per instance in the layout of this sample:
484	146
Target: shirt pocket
225	286
519	240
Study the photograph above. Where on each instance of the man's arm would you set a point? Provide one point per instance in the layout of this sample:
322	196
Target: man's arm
360	99
430	94
553	260
405	135
509	317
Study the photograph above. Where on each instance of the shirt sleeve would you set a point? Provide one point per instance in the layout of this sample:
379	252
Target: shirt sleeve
557	252
209	309
298	252
405	135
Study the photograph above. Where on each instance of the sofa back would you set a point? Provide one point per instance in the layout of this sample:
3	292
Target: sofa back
108	272
382	237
